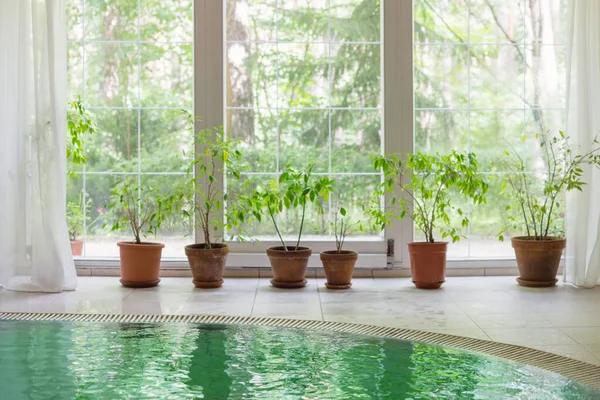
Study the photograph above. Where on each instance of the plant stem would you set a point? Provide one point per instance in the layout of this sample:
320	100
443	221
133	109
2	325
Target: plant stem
301	224
277	230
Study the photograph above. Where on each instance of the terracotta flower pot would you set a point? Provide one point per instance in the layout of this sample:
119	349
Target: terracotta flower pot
140	264
538	260
428	264
207	265
289	267
338	268
77	247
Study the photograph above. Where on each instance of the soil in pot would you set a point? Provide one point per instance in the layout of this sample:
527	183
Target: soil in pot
338	268
289	267
538	260
140	264
428	264
77	247
207	265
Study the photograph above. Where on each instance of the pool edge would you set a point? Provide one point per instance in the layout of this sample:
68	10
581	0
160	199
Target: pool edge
580	371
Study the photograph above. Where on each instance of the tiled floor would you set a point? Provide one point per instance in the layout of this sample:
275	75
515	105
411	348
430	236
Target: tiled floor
563	319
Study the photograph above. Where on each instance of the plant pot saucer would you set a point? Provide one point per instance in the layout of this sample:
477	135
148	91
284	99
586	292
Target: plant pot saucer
289	285
525	283
208	284
139	285
428	285
337	287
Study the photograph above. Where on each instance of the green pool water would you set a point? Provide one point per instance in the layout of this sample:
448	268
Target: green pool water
64	360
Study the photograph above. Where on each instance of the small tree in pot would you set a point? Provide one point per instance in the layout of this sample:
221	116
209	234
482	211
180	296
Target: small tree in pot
426	183
202	196
79	124
75	217
142	210
537	193
339	263
295	189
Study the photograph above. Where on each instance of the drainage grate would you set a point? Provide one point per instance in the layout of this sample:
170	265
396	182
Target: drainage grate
585	373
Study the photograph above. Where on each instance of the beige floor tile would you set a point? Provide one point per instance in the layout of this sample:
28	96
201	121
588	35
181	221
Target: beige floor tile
288	310
585	336
504	321
480	295
573	319
593	348
530	336
493	307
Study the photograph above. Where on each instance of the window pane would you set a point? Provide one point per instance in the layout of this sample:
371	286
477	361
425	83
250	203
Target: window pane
355	21
257	132
166	20
304	139
114	147
100	241
302	75
545	86
132	65
111	74
166	75
251	20
441	21
251	75
355	135
496	77
166	140
441	76
111	20
308	93
497	74
439	131
355	75
496	21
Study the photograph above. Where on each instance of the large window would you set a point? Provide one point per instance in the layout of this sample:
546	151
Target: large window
487	73
303	87
131	62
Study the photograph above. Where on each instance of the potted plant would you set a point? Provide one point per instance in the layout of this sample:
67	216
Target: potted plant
202	204
142	210
426	183
75	225
339	263
295	189
79	124
537	193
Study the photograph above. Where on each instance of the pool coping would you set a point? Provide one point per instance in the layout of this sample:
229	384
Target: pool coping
580	371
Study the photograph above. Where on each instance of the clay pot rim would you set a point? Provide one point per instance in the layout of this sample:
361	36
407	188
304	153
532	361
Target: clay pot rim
529	239
199	247
333	254
140	245
302	252
76	241
428	243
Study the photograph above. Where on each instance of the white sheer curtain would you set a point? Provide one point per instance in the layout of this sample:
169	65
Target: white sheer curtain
583	124
34	246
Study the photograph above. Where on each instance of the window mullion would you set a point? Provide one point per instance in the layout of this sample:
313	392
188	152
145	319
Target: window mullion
398	111
208	73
